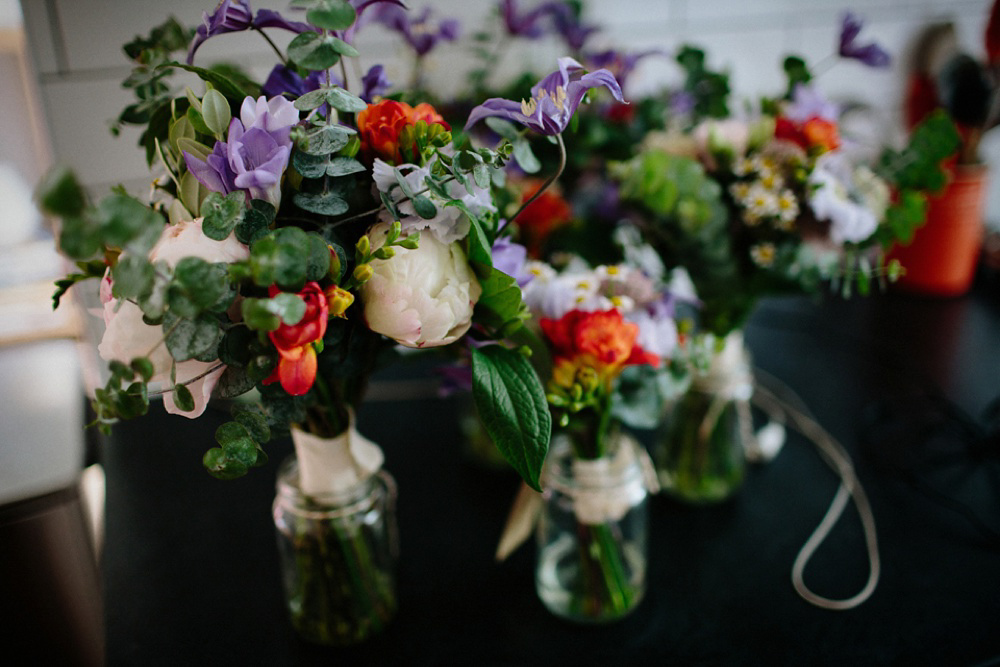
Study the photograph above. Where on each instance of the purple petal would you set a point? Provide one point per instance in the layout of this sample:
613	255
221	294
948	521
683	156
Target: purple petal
227	17
283	80
374	83
871	54
213	173
268	18
498	107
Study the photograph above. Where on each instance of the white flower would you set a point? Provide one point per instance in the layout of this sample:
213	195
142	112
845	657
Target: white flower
657	335
126	335
836	198
450	223
553	294
422	297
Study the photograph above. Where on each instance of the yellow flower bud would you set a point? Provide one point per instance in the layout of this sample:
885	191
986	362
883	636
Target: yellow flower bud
363	273
338	300
364	246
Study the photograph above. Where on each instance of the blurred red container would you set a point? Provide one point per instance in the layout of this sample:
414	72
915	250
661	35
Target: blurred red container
942	258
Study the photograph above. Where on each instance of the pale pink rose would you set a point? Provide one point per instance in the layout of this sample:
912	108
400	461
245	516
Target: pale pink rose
721	136
126	336
422	297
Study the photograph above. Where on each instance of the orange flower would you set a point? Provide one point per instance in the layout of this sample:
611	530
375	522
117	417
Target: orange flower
816	134
544	215
297	365
380	125
602	340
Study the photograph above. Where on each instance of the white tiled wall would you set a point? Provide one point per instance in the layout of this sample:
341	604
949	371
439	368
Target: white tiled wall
76	46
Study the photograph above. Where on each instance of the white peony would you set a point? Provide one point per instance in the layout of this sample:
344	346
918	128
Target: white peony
126	335
422	297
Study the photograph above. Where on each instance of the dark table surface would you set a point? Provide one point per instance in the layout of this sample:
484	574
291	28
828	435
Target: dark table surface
191	567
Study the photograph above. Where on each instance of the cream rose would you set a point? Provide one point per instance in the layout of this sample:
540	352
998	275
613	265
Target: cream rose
126	336
422	297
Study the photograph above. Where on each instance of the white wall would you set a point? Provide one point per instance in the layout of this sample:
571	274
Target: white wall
76	46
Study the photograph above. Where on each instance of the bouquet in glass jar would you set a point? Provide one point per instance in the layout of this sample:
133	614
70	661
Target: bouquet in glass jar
592	524
297	233
772	203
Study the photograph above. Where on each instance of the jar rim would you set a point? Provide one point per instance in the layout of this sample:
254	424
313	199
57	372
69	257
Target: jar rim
621	470
329	505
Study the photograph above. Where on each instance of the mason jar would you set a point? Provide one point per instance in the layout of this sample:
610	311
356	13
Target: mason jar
338	557
592	534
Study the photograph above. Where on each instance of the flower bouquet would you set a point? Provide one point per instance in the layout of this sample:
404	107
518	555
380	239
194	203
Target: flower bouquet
593	522
297	234
774	202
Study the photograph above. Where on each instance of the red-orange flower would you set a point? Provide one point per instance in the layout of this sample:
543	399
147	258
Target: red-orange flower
603	340
297	365
380	125
816	134
543	216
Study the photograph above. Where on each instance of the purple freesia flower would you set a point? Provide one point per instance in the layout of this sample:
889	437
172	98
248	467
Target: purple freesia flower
236	16
255	153
808	103
872	54
510	258
374	83
419	31
568	24
553	101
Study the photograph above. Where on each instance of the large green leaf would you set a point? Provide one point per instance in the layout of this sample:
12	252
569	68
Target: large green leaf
229	87
512	407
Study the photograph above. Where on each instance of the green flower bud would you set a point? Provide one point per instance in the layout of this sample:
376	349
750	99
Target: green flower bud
364	246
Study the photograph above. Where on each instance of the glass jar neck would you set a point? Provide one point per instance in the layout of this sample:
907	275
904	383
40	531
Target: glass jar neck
291	496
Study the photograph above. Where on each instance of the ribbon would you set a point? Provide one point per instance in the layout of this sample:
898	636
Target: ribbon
335	465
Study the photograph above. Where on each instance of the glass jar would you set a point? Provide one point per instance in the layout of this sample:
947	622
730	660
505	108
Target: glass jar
592	533
338	557
701	457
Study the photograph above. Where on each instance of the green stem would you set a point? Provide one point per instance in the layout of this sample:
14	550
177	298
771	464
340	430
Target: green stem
281	56
551	179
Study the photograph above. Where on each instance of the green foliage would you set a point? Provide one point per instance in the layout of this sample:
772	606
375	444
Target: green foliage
513	409
222	213
60	194
918	165
88	270
797	72
709	89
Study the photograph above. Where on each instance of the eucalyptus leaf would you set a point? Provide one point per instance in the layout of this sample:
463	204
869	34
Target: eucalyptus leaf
234	381
221	214
313	51
327	139
60	193
333	15
342	100
424	207
321	203
183	398
189	338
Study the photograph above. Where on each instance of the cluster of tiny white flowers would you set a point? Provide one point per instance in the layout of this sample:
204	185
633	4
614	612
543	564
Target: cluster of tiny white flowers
765	197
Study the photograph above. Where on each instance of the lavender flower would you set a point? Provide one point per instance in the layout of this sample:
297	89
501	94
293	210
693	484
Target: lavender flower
526	24
619	63
807	103
553	101
872	54
374	83
510	258
235	16
255	153
419	31
569	25
285	80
